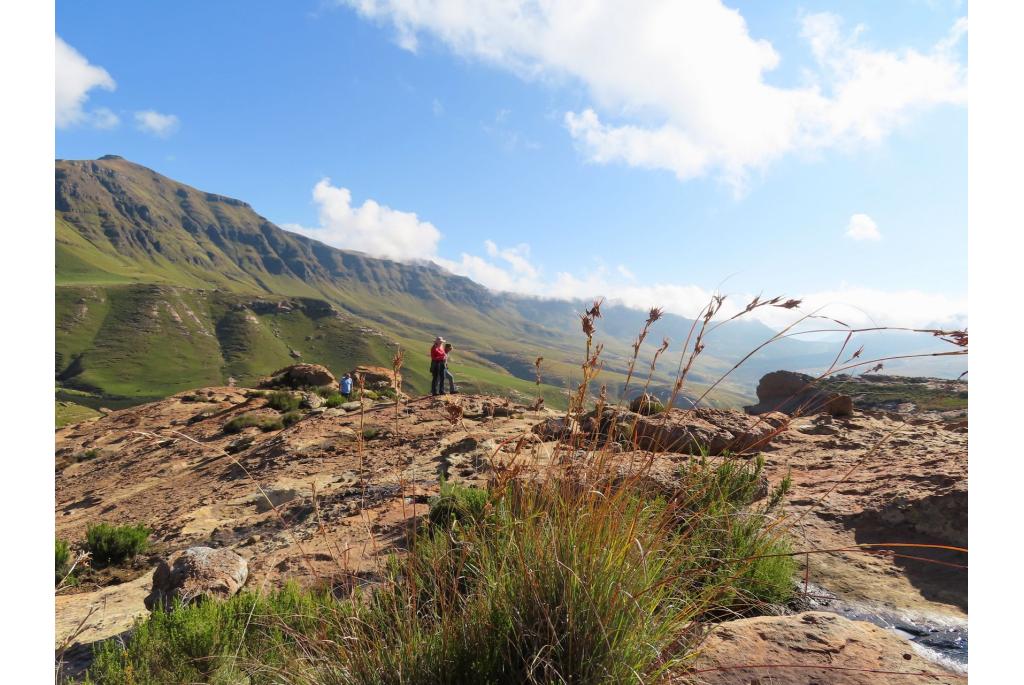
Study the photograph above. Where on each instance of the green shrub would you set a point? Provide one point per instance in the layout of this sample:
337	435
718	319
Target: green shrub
559	582
335	400
457	503
214	642
62	560
264	423
325	391
370	433
283	401
114	544
369	394
290	418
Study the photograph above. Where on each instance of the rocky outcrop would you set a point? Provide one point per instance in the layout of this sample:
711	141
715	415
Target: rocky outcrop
812	647
794	394
300	376
196	574
693	431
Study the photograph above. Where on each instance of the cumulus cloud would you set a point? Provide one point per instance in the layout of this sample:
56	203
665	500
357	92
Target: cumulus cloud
683	86
862	227
385	232
856	306
75	77
370	227
158	124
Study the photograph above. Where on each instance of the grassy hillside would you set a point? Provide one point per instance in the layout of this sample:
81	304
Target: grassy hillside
154	277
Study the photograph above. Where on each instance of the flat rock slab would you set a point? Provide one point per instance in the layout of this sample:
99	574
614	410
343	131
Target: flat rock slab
812	648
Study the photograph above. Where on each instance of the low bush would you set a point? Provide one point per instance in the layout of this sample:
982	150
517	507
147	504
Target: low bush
62	560
283	401
291	418
370	433
558	582
264	423
334	400
325	391
458	504
109	544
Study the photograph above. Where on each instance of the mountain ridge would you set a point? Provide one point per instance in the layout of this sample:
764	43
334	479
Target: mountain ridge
120	225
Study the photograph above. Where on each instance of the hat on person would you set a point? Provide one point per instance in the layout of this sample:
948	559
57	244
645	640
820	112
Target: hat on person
438	339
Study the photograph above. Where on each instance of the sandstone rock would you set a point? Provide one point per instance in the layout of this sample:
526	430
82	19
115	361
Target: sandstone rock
795	394
692	431
500	410
310	400
555	428
351	406
197	574
818	647
646	405
300	376
376	377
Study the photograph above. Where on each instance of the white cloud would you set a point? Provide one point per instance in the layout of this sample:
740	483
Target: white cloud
371	227
862	227
437	107
385	232
682	85
75	77
158	124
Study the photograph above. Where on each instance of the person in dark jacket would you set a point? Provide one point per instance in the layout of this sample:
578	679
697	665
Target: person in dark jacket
438	360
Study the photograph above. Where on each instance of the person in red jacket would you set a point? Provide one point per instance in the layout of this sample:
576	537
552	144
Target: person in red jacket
438	363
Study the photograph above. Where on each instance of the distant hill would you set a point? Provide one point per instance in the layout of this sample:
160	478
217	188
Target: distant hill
162	287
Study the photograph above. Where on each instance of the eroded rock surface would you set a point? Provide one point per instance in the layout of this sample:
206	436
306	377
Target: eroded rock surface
811	648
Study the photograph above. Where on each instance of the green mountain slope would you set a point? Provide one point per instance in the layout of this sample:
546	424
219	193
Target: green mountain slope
162	287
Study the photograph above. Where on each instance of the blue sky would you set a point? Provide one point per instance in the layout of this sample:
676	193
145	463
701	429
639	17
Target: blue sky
650	156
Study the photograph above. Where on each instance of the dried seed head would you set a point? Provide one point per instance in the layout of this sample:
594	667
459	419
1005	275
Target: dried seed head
654	315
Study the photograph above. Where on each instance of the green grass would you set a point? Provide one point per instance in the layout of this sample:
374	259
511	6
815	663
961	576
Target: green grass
115	544
334	400
558	581
897	390
62	560
264	423
458	504
290	418
283	401
67	413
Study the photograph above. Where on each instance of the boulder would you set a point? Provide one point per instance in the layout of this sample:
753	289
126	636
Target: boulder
646	404
555	428
310	400
692	431
300	376
376	377
351	406
197	574
794	394
812	647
